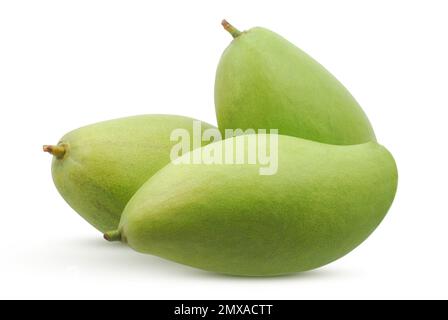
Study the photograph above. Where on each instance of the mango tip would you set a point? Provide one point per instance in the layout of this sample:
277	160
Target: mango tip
112	236
57	151
231	29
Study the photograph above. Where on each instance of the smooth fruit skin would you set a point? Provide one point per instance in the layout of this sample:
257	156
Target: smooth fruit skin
106	163
322	203
265	82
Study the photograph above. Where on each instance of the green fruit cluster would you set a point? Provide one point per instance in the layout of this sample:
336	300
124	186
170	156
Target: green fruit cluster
333	187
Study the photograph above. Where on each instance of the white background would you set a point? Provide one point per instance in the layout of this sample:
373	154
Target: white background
65	64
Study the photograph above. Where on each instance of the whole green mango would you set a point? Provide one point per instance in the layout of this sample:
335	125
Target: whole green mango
265	82
98	168
323	201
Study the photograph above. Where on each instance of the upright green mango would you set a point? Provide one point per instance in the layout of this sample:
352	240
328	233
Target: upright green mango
323	201
265	82
98	168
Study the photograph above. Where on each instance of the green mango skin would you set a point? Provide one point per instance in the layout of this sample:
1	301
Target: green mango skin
322	203
265	82
106	163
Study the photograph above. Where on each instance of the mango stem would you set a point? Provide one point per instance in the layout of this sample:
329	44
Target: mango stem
113	236
231	29
57	151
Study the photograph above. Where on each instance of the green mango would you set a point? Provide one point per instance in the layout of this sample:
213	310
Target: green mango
98	168
265	82
323	201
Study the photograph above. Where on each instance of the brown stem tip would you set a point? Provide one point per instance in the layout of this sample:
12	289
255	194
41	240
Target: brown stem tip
231	29
112	236
57	151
